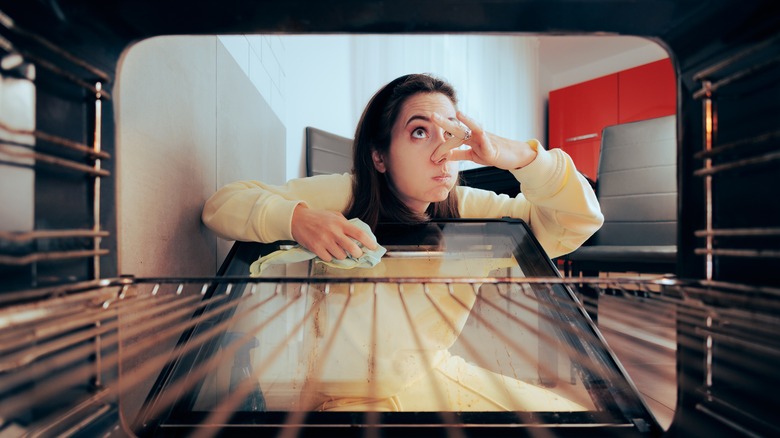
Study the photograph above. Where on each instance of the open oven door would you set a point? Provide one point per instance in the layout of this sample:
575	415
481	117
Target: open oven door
465	325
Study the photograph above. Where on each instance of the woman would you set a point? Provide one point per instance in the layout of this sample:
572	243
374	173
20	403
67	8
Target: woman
406	149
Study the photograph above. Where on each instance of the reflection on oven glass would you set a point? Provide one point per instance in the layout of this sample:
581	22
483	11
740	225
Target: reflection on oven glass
401	346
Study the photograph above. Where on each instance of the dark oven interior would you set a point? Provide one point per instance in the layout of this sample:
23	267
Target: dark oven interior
58	154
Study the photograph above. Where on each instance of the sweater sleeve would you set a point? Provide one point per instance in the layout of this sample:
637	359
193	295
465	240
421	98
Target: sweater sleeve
259	212
556	202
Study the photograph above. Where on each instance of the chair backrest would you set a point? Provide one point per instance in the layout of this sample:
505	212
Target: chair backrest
327	153
637	184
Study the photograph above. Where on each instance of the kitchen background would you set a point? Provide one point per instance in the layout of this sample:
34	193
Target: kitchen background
195	113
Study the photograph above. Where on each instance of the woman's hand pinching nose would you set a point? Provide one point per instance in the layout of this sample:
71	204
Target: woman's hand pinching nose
456	133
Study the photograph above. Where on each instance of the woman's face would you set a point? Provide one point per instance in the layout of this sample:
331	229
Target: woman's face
415	179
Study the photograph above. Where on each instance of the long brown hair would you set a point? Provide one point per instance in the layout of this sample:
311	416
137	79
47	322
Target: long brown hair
372	199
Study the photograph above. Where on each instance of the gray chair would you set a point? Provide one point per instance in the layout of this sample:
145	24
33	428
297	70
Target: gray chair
327	153
637	189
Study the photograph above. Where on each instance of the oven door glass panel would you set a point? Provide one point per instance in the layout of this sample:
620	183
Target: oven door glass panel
449	323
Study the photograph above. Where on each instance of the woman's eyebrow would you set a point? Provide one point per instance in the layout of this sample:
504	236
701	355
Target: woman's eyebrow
417	117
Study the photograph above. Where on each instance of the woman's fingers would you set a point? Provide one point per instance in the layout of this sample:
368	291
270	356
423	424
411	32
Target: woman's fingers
343	244
463	155
337	251
471	123
357	233
329	234
348	247
456	128
445	149
464	131
456	133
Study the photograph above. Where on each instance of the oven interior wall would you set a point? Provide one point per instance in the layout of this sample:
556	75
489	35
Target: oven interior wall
189	120
17	181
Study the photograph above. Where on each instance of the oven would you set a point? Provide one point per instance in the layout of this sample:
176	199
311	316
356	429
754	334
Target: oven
87	352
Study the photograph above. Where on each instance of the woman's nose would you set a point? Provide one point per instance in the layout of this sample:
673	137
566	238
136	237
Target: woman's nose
442	137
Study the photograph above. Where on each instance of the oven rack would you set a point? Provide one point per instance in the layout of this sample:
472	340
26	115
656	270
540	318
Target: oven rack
67	156
71	356
732	91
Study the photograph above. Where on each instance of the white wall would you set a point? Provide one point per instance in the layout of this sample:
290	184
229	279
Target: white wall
263	59
318	89
189	120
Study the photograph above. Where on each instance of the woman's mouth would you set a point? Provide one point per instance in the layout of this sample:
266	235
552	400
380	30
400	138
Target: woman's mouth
442	178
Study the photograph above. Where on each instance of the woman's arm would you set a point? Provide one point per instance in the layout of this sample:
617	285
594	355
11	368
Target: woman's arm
259	212
556	201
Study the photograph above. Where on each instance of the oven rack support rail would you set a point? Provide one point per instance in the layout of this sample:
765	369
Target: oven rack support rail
67	157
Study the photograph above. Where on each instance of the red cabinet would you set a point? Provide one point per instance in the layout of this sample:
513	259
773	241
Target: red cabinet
578	113
646	92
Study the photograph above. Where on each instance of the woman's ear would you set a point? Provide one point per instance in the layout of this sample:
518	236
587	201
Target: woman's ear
379	162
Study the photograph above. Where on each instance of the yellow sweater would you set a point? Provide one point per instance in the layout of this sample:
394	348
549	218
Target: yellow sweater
556	202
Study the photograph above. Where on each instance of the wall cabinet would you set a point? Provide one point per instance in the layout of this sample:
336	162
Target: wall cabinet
647	92
578	113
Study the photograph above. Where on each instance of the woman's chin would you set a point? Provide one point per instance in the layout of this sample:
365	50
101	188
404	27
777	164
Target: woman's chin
439	195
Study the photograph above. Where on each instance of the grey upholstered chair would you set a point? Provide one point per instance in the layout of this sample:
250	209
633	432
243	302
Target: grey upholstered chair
637	189
327	152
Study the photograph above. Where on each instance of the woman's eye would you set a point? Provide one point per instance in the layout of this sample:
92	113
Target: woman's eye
419	133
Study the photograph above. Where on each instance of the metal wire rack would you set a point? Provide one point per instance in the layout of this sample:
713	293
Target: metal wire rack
96	349
60	159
